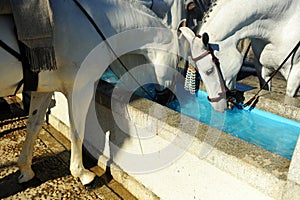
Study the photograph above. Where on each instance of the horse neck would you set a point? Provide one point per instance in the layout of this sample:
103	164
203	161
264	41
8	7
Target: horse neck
238	19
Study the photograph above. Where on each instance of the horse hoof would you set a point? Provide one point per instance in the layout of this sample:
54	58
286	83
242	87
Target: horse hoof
25	177
92	185
86	177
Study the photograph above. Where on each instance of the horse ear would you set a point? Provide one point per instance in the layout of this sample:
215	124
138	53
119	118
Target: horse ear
187	33
205	39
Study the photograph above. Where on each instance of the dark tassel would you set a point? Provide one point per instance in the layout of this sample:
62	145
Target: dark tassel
41	58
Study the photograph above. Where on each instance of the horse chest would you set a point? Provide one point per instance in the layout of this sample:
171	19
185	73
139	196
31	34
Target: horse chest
270	57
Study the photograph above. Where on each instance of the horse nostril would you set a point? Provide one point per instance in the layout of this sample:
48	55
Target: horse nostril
34	112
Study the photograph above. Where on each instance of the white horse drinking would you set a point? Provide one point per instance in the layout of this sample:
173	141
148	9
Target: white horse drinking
74	39
273	27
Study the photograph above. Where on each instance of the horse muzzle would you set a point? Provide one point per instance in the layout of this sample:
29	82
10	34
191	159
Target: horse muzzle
235	98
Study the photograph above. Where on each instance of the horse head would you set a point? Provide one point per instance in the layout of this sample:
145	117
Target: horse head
207	66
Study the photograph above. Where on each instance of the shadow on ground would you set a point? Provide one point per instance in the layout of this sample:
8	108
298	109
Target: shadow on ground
45	168
48	167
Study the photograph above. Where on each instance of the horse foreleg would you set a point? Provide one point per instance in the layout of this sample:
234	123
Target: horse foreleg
293	81
77	134
266	74
258	68
38	105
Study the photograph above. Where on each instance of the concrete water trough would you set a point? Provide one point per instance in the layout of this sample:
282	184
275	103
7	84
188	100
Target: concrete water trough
159	153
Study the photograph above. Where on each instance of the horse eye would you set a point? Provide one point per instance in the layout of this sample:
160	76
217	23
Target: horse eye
208	72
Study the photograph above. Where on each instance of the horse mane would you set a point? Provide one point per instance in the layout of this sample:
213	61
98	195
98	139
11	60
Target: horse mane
209	10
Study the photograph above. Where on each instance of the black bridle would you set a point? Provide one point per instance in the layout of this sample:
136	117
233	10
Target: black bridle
233	96
215	60
236	97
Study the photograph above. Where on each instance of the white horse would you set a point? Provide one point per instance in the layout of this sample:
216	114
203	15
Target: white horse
273	27
171	12
74	39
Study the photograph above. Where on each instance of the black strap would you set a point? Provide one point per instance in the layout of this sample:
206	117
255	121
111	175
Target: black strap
152	2
11	51
91	20
21	82
30	79
249	102
17	56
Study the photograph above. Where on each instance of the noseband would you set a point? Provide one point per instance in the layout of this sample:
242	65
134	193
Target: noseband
201	56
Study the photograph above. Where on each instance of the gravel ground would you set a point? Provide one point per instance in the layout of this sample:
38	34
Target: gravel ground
50	163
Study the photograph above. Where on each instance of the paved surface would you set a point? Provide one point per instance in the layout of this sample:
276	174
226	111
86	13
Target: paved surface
275	101
50	163
51	160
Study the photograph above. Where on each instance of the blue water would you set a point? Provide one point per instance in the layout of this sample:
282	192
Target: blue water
269	131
